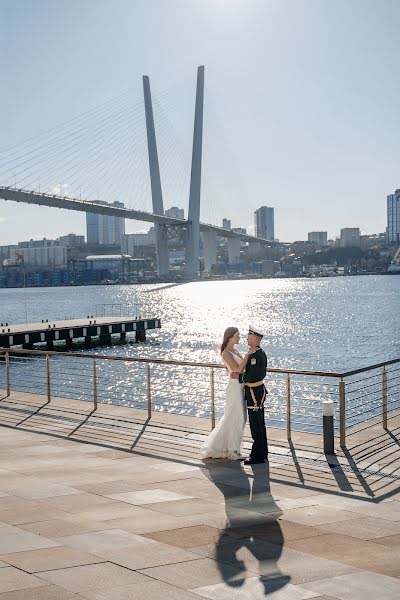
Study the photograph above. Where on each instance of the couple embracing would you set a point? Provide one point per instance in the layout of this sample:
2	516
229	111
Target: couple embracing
245	389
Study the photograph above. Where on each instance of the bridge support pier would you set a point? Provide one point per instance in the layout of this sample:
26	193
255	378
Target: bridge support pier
233	250
193	232
155	180
209	250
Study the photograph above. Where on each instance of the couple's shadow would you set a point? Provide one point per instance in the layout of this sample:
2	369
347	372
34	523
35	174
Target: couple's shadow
251	524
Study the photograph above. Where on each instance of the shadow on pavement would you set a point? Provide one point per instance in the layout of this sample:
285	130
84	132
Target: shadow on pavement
251	524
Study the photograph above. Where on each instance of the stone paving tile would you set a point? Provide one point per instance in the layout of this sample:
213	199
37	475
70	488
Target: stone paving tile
23	540
46	592
13	579
37	491
195	573
192	506
152	522
106	540
15	503
288	530
256	588
153	496
110	487
362	554
365	528
113	510
317	515
265	559
149	555
237	518
3	564
20	516
384	510
358	586
391	540
148	590
41	449
77	503
103	575
45	559
289	503
62	527
191	537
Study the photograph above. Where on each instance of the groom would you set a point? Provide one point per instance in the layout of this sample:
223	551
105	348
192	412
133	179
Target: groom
255	393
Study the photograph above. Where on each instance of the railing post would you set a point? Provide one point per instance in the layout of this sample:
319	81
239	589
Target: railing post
342	412
48	379
212	384
384	398
94	385
288	409
8	384
148	391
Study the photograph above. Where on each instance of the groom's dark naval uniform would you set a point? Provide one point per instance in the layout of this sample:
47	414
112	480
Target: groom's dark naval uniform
255	394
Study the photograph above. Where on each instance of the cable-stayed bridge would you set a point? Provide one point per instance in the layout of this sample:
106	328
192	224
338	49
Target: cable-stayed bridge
61	152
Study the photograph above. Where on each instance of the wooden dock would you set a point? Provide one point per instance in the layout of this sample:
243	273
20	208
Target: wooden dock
48	332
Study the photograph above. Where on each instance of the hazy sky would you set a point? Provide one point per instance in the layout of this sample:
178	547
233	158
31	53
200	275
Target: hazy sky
306	93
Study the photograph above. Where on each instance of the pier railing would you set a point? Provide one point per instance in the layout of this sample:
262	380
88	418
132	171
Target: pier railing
294	400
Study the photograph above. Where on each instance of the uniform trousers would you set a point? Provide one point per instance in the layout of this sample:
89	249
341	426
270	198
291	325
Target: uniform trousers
259	450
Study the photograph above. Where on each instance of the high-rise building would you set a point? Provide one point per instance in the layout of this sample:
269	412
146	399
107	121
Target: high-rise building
393	218
175	212
71	240
350	236
264	222
105	229
226	223
318	237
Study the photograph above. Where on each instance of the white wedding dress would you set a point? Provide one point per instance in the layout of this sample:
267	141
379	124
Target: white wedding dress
225	441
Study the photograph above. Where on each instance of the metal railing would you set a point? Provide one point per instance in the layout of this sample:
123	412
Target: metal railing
294	398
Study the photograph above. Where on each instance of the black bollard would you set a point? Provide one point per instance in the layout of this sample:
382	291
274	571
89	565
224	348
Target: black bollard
328	428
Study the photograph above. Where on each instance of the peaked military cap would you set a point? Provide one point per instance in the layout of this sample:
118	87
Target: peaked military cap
255	331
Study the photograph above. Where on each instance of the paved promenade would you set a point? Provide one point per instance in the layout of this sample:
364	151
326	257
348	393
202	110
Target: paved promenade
107	506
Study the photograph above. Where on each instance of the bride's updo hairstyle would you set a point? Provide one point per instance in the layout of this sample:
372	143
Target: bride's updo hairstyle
228	334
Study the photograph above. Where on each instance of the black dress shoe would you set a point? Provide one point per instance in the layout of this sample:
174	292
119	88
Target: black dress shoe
253	462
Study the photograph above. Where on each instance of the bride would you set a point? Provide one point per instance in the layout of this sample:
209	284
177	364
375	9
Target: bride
225	441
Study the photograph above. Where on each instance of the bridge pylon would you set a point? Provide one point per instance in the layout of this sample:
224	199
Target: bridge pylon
193	233
155	179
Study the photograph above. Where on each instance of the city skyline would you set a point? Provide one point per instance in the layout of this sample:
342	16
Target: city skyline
319	148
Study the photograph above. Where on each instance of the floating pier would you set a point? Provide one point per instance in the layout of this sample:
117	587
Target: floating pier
48	332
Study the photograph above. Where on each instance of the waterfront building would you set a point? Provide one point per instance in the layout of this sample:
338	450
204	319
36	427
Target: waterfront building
132	240
109	262
350	236
264	222
44	243
71	240
226	224
105	229
318	237
5	251
42	256
393	218
175	212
